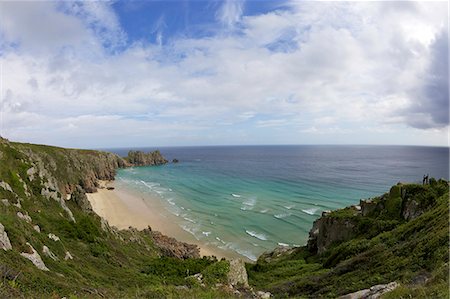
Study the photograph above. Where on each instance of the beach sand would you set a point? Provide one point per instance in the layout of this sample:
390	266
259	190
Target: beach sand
122	209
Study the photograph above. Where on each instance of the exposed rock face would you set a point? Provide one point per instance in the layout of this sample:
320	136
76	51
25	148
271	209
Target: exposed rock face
374	292
80	198
172	248
24	217
5	186
327	230
138	158
35	258
411	210
237	274
5	244
279	251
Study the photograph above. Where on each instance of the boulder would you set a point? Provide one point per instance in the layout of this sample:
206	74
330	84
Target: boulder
68	256
24	217
53	237
35	258
5	186
373	292
5	244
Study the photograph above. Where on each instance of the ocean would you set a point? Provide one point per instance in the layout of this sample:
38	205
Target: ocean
250	199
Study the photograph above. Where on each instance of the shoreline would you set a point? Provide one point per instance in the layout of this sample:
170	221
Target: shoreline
124	208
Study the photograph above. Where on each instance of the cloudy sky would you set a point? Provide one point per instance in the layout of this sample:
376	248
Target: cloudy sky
156	73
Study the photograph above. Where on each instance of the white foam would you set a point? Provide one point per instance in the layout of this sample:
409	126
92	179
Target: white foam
281	216
310	211
256	235
235	195
250	202
220	240
189	219
248	254
283	244
289	207
264	211
206	233
189	230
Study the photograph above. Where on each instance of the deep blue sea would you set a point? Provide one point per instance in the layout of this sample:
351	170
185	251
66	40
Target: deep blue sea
249	199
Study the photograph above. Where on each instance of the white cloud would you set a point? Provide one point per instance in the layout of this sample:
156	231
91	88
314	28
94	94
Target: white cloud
319	68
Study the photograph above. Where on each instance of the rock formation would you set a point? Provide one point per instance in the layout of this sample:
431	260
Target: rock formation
35	258
138	158
5	244
172	248
373	292
237	275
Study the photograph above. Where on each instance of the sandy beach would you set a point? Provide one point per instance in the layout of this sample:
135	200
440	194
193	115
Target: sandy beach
122	209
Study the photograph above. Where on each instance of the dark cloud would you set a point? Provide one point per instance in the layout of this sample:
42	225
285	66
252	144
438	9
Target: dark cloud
431	101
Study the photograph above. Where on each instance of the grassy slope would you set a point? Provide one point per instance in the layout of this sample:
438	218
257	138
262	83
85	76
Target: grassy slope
124	264
410	250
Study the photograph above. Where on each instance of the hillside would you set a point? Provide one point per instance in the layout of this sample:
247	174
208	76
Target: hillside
401	236
55	246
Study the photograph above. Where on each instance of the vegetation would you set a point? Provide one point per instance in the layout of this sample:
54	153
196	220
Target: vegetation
108	263
386	248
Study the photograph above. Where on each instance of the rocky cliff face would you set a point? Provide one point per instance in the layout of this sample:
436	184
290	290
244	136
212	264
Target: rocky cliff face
404	202
138	158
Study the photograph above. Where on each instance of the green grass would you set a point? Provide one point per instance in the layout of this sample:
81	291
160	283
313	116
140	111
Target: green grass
105	264
400	251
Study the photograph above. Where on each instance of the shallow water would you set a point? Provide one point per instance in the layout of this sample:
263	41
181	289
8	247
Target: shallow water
249	199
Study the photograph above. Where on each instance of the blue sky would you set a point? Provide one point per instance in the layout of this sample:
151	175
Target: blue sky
162	73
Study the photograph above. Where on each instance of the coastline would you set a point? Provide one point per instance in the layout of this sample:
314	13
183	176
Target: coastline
123	208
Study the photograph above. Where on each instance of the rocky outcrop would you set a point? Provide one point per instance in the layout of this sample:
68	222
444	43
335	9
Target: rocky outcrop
374	292
138	158
5	244
24	217
53	237
237	275
35	258
327	230
80	198
172	248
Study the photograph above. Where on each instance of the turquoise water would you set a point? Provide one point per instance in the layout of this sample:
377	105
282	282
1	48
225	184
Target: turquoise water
251	199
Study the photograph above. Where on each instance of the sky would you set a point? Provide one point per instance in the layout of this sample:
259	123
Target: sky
102	74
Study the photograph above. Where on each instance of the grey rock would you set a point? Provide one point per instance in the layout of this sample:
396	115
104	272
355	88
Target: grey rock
237	274
263	295
53	237
5	186
49	253
5	244
68	256
5	202
37	228
35	258
24	217
373	292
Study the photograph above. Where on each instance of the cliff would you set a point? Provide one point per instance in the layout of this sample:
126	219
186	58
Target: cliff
395	246
138	158
404	202
54	245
